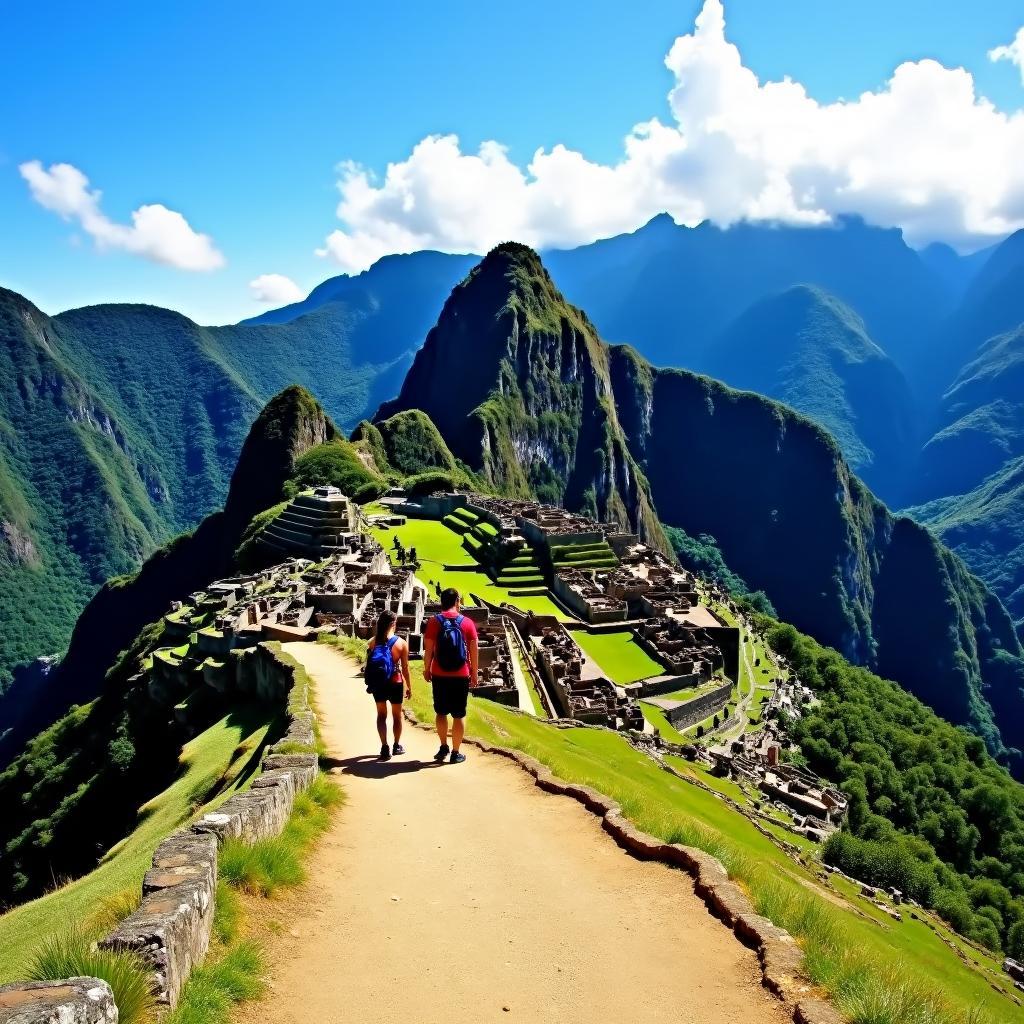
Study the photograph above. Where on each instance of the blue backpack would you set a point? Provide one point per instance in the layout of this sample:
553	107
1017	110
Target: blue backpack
380	665
450	649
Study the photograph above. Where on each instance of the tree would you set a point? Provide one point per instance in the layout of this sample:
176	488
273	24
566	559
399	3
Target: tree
1015	941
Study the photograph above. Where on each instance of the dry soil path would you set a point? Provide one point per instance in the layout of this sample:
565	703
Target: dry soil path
462	893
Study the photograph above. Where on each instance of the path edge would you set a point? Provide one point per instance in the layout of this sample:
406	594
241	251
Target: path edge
780	958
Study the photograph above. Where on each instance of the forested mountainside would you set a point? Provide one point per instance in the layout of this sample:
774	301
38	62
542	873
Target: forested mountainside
120	426
545	408
812	352
77	786
289	425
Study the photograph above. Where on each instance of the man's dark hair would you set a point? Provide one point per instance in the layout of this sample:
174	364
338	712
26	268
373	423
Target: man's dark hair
449	598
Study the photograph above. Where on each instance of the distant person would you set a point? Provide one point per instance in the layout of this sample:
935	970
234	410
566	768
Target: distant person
450	666
388	680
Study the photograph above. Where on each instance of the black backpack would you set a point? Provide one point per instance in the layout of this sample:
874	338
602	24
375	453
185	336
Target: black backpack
380	665
450	649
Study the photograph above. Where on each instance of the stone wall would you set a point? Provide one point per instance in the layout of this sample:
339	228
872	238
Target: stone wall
696	710
171	929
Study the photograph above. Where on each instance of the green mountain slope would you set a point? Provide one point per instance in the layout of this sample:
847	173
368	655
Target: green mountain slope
119	428
517	382
811	351
542	406
291	424
985	527
982	420
792	520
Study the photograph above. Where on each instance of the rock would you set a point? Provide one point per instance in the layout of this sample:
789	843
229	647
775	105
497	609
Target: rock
71	1001
816	1011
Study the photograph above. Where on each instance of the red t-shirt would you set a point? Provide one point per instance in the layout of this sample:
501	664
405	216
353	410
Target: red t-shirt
468	627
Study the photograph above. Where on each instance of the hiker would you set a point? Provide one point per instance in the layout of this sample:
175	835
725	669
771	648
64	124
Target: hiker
387	680
449	665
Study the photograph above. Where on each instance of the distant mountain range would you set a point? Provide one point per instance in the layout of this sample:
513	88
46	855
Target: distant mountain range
119	425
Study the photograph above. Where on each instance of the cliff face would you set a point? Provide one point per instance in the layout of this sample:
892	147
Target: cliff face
290	424
792	519
517	381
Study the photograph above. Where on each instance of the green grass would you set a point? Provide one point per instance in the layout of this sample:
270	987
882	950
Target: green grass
435	544
618	654
69	953
263	867
217	758
658	719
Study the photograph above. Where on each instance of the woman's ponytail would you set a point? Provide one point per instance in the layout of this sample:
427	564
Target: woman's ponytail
384	623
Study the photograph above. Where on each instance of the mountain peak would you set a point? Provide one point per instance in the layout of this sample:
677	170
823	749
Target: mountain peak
291	423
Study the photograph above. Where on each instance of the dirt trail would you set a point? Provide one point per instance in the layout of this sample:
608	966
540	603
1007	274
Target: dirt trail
463	893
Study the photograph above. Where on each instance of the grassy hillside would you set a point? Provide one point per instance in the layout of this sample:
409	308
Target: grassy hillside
931	813
217	763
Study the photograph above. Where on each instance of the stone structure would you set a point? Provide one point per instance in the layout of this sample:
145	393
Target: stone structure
314	523
581	592
71	1001
819	808
685	651
684	713
592	699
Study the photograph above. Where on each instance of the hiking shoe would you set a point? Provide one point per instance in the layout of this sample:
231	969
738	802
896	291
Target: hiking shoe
385	753
442	752
397	749
457	757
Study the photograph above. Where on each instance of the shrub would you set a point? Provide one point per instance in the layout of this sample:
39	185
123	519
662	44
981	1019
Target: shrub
69	954
429	483
334	464
370	491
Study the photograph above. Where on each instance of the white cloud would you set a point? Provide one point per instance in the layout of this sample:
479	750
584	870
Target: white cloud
156	233
275	290
925	153
1013	52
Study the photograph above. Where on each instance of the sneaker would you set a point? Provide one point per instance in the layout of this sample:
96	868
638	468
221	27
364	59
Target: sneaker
442	752
457	757
397	749
385	753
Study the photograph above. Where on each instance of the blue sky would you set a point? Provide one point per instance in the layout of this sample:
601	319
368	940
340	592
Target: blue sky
237	115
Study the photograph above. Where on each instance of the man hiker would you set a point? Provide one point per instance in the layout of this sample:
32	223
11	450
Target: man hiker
450	666
388	680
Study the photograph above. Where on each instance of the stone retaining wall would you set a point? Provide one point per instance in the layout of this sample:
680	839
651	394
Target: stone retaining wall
171	929
699	708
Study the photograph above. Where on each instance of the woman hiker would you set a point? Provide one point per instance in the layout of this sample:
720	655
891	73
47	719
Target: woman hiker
387	680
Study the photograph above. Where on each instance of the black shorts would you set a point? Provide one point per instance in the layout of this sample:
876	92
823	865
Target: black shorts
451	693
389	693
